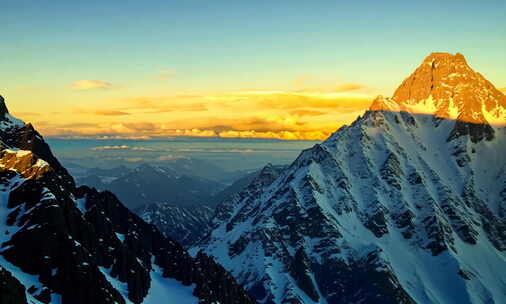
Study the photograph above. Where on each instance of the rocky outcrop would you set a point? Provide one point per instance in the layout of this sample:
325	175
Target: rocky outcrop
11	291
17	135
3	108
24	162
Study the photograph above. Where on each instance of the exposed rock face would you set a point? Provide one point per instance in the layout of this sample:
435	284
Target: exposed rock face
457	91
78	245
264	178
3	108
15	133
26	163
11	291
387	210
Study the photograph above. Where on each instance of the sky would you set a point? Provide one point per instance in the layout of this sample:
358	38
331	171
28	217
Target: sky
274	69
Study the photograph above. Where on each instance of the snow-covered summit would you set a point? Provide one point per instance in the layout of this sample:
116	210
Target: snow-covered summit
444	85
8	122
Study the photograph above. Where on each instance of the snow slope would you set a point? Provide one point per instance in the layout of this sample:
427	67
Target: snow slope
403	206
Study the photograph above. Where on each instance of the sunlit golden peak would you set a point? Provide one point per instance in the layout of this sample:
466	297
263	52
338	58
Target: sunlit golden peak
445	86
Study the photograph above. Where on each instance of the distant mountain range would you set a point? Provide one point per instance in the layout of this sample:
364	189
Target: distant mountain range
147	184
180	205
405	205
188	224
188	166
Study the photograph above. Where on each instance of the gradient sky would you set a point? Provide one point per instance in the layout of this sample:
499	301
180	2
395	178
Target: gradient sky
285	69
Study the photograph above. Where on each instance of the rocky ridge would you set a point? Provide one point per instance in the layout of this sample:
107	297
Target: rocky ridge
183	224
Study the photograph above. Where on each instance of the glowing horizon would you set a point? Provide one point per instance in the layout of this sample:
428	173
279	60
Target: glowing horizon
288	115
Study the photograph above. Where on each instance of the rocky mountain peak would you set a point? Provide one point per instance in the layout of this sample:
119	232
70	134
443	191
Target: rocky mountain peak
382	103
3	107
443	57
445	86
437	76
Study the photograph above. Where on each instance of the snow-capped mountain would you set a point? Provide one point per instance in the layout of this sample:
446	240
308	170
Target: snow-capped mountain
179	205
406	205
186	225
238	184
62	244
147	184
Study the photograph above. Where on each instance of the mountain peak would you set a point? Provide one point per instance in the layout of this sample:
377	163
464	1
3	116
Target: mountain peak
3	107
444	85
6	120
437	77
445	57
381	103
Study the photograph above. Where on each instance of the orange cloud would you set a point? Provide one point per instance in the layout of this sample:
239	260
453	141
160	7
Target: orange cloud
268	114
25	114
87	84
307	113
349	87
156	105
110	113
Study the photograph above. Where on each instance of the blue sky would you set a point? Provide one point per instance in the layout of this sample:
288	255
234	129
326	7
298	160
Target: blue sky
250	42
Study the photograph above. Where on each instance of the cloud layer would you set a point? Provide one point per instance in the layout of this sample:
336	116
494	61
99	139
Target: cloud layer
87	84
296	114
